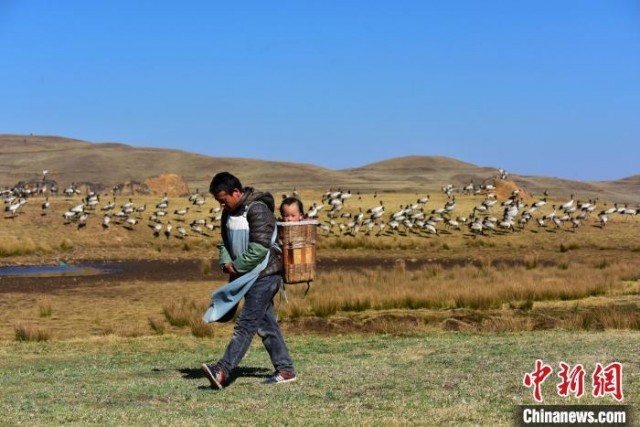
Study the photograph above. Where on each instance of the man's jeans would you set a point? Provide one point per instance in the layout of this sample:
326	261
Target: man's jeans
257	315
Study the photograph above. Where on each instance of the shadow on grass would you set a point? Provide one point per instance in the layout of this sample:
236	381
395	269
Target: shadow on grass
251	372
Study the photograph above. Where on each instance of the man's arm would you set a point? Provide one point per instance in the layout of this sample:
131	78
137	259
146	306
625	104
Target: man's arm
225	257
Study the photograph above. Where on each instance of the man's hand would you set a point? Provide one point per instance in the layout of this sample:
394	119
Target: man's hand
228	268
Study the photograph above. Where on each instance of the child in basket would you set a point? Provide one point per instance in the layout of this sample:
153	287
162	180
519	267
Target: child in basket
292	209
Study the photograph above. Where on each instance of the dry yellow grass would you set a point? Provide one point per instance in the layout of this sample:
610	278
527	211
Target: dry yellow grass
123	309
493	279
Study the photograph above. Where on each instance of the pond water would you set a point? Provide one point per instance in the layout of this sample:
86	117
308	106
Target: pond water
61	269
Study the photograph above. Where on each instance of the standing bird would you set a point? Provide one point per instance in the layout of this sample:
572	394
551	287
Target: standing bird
181	212
167	230
45	206
105	222
82	220
157	229
130	222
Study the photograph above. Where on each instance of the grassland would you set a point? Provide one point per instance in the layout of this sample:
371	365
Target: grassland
536	278
417	328
423	379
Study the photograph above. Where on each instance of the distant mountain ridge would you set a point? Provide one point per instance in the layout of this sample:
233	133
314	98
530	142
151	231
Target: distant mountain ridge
68	160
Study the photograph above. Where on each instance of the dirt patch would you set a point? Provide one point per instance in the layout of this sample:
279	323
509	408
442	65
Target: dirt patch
506	188
170	184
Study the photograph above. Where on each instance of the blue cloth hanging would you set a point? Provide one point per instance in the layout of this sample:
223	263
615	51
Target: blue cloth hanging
226	298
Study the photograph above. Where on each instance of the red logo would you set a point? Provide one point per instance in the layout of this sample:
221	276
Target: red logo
608	380
604	380
536	378
572	380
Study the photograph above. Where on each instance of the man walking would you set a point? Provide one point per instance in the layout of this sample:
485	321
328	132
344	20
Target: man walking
249	255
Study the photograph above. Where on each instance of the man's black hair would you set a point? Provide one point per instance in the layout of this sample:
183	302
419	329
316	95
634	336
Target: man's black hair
224	181
291	200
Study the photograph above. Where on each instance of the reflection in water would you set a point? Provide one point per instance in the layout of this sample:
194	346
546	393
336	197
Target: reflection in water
61	269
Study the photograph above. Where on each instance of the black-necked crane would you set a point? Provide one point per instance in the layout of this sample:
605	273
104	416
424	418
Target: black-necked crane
157	229
194	196
430	228
106	220
489	202
506	225
199	202
345	196
109	206
198	223
575	223
540	203
450	205
476	226
127	205
489	224
45	206
130	223
453	224
628	211
164	200
480	208
469	188
376	209
359	217
78	209
167	230
393	225
82	220
602	216
13	208
70	191
551	214
567	205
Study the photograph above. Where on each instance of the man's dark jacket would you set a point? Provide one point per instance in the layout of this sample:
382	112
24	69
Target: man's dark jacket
261	225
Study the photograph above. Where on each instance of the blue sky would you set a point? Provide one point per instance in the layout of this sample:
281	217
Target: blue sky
535	87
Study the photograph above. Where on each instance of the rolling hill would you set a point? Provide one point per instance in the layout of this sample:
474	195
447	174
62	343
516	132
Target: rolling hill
71	160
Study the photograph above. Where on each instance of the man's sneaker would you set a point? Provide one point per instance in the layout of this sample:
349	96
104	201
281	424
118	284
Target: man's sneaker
214	375
280	377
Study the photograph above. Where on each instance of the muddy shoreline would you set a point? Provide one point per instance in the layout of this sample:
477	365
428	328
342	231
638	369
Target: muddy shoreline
194	270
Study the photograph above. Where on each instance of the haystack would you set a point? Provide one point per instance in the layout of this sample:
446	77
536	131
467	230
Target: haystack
171	184
504	190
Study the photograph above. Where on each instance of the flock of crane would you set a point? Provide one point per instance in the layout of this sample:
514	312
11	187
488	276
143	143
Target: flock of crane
490	216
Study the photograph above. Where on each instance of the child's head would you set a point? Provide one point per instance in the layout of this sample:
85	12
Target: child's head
291	209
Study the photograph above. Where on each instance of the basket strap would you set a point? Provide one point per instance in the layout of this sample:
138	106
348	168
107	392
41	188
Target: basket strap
308	287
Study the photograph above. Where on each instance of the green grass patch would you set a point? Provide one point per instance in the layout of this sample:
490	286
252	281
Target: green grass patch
428	378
